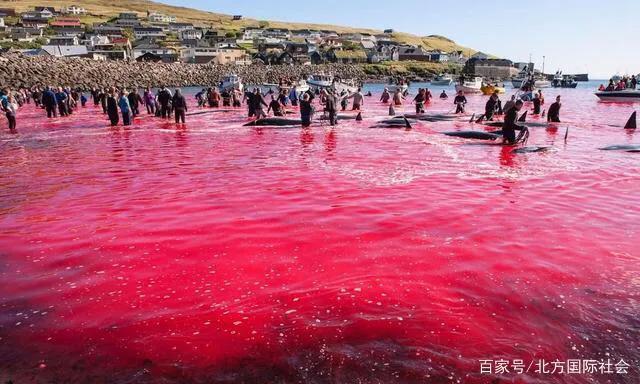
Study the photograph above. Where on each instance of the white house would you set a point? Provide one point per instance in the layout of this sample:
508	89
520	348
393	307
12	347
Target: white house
191	34
74	10
250	34
142	32
65	50
152	48
160	18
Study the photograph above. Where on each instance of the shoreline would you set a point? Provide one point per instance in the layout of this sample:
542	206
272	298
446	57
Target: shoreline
19	71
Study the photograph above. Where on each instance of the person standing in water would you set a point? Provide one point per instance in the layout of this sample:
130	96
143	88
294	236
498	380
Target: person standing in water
306	110
509	127
358	100
164	97
460	102
134	101
554	111
112	107
50	103
179	106
150	101
125	107
398	97
275	106
490	107
9	107
536	104
384	98
444	95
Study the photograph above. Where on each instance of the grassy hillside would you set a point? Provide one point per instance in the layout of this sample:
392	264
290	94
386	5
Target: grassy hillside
102	10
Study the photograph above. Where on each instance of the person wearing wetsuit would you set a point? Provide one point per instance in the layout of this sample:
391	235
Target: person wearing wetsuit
306	110
226	98
164	97
536	104
103	100
112	107
490	107
61	99
554	111
419	101
49	102
257	102
134	101
444	95
330	107
509	127
460	102
293	96
179	106
275	106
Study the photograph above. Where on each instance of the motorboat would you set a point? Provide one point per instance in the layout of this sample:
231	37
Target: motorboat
525	76
624	96
442	80
488	89
473	85
320	81
345	85
563	81
231	82
301	86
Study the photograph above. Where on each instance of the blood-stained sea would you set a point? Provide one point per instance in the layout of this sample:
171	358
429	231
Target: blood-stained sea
220	253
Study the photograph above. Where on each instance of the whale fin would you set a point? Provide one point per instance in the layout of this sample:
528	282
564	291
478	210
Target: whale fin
631	123
406	122
392	112
479	119
523	118
359	116
566	134
472	118
544	112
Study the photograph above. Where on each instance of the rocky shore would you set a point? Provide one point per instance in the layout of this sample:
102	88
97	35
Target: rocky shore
17	70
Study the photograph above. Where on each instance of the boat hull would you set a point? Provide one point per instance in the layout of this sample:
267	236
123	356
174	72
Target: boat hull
442	83
467	89
630	96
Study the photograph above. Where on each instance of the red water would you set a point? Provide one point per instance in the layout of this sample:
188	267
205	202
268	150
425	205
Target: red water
216	252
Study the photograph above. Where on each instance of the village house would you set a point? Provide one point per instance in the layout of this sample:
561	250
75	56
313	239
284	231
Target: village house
25	34
69	31
73	10
167	55
160	18
65	22
108	30
66	50
438	56
457	57
63	40
191	34
252	33
340	56
4	12
142	32
35	23
180	27
410	53
277	33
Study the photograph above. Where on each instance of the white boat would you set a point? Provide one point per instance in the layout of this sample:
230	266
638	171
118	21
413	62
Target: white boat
320	81
473	85
301	86
442	80
349	86
393	87
625	96
231	82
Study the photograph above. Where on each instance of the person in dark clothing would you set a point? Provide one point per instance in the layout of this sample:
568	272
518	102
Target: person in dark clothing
460	102
226	98
536	104
179	106
554	111
95	95
634	82
257	102
330	106
164	97
275	106
490	107
509	127
248	97
103	99
112	107
61	100
134	101
50	103
83	99
306	110
444	95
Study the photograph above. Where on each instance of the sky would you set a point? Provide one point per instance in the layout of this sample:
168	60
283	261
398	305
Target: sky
590	36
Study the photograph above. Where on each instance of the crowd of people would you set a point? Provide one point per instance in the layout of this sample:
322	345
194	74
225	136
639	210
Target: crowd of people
622	84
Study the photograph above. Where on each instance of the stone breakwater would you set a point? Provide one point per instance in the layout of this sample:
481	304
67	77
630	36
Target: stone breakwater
17	70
